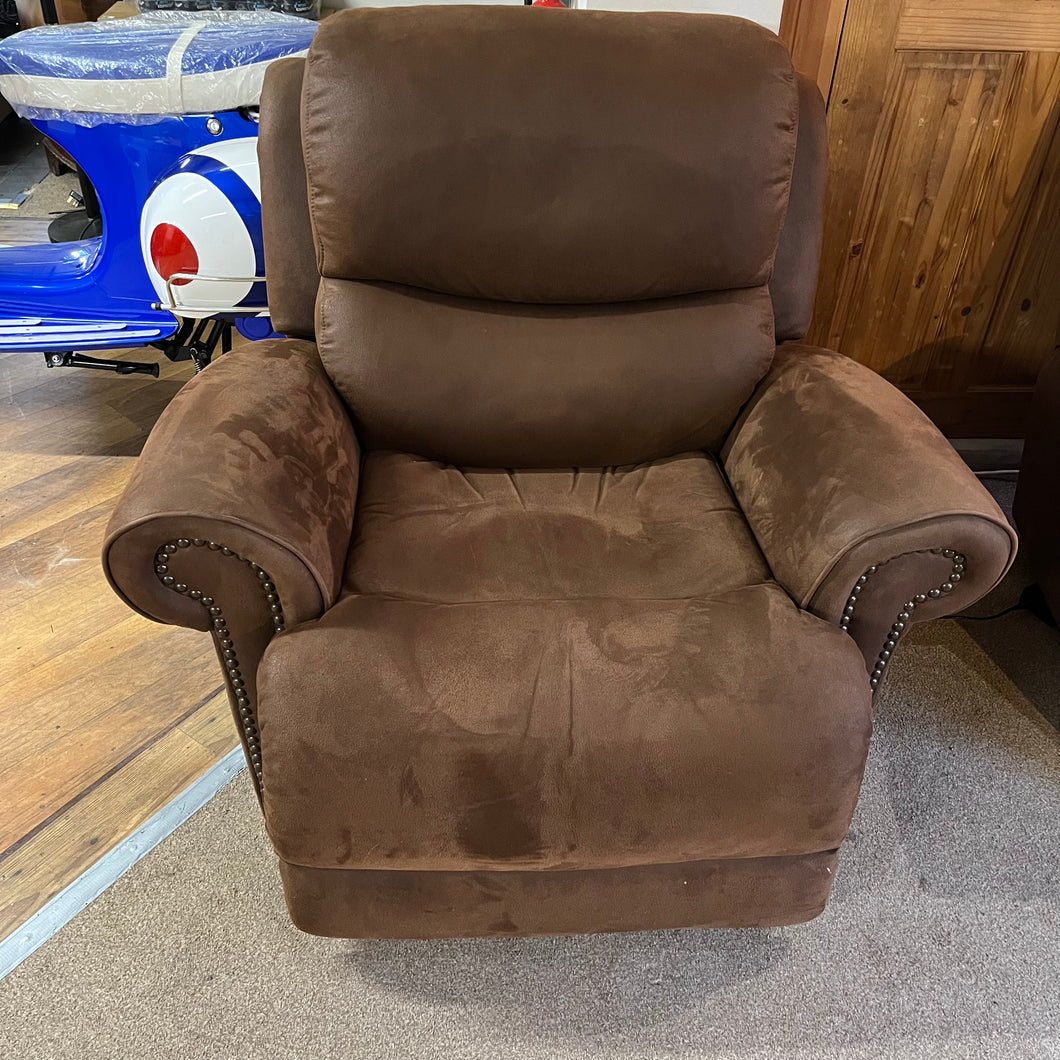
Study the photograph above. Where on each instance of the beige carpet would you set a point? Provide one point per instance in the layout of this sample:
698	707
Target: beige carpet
942	939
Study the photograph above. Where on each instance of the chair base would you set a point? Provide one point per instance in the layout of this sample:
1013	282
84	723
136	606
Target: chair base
381	903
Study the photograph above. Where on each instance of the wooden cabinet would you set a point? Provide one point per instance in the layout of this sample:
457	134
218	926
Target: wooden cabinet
941	261
41	12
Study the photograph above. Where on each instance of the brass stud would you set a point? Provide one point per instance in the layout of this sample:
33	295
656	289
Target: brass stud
907	610
236	683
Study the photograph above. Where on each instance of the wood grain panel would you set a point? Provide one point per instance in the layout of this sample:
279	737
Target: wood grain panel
212	727
23	231
52	755
941	253
927	163
980	25
54	857
951	181
1007	219
54	496
812	29
1026	322
104	716
855	110
45	623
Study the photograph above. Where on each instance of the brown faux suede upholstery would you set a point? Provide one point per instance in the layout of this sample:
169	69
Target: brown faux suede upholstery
793	285
551	386
667	529
290	254
446	131
550	596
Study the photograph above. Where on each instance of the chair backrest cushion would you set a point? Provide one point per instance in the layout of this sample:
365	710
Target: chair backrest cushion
552	229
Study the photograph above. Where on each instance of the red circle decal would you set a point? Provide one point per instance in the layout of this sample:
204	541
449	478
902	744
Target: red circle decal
171	251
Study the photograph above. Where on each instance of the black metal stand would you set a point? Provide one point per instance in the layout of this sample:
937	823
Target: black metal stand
194	340
81	360
197	341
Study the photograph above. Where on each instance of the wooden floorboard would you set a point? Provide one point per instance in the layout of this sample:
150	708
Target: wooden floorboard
24	231
104	716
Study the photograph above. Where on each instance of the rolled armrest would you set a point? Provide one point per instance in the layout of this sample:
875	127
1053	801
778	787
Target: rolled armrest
863	510
239	514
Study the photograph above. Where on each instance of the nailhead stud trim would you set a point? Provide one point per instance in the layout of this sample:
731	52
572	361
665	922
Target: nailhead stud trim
233	675
906	614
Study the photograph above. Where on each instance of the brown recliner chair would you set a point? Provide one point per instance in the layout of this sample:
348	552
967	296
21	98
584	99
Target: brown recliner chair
549	595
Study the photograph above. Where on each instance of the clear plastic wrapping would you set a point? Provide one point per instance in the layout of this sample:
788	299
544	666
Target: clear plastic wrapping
139	70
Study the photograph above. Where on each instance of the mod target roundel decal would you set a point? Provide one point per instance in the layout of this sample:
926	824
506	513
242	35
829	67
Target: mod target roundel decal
173	254
203	219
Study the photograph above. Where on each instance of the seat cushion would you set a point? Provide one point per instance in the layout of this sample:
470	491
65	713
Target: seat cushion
551	734
557	669
669	529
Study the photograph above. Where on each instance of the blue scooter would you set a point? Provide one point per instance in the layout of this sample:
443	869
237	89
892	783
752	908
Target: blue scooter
159	112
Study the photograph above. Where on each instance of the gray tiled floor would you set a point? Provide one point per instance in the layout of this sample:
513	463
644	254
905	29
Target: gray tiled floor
22	164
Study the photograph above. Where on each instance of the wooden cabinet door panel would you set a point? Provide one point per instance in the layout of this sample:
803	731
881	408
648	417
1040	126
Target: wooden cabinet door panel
942	226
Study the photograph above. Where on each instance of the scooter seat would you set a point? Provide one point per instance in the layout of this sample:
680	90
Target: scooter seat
141	69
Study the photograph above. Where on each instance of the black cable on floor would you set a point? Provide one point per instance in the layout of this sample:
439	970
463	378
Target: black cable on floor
986	618
1032	599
